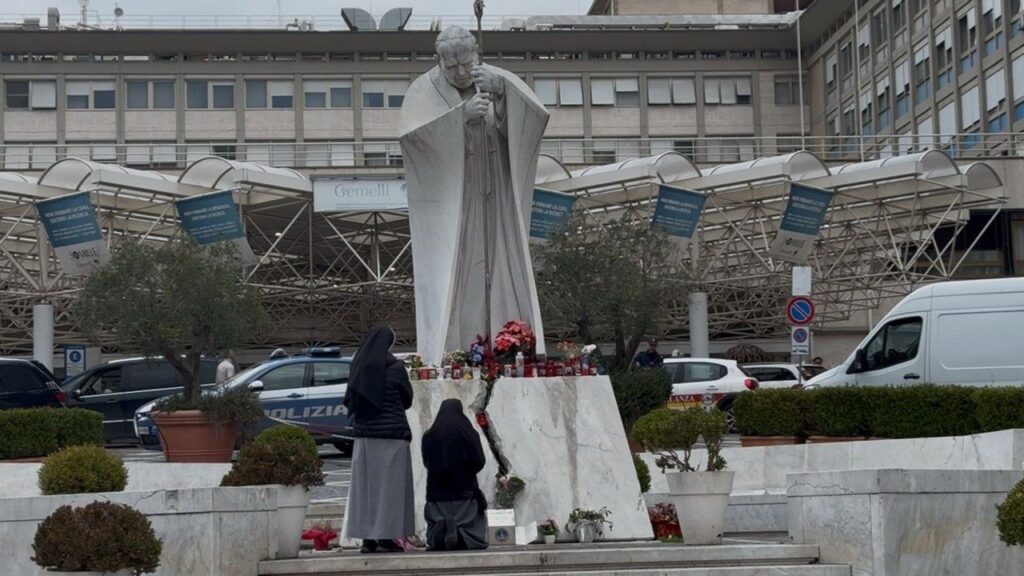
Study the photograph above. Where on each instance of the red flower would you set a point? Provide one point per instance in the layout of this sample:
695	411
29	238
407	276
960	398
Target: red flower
481	419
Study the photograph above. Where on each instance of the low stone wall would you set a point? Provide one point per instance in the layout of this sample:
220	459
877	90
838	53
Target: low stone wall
22	479
905	522
205	531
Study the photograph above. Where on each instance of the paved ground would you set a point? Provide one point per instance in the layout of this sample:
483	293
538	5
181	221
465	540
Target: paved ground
337	470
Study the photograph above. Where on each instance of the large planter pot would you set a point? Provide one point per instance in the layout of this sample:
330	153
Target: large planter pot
701	499
752	441
291	512
189	436
833	439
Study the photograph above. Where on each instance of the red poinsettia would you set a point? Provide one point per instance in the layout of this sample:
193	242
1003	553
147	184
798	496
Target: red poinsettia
515	336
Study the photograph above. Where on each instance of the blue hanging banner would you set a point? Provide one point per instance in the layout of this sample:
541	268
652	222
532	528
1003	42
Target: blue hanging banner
678	212
801	221
74	232
551	213
214	218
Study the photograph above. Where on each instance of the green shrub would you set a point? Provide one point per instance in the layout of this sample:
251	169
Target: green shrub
99	537
999	408
1010	516
27	433
772	412
924	411
77	426
643	473
285	461
81	469
713	427
842	411
667	432
637	392
289	432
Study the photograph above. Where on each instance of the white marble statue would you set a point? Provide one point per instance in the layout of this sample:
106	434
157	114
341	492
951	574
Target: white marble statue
470	136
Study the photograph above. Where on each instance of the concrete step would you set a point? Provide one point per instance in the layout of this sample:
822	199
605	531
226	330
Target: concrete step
604	559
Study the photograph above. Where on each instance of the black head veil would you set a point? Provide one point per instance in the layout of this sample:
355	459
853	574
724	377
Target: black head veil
366	382
452	441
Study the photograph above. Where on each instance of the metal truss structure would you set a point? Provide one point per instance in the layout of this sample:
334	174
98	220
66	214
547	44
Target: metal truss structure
326	277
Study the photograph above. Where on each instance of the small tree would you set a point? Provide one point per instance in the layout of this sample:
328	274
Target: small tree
747	353
178	300
609	283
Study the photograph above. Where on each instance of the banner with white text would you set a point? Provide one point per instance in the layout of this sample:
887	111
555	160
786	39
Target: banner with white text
215	217
74	232
550	214
678	213
805	213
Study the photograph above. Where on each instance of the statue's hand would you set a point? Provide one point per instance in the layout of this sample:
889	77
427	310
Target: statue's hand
488	81
477	107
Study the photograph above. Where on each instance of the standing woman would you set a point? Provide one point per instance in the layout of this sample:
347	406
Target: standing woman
453	456
380	500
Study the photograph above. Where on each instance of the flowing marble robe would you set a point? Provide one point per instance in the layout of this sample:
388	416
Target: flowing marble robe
451	191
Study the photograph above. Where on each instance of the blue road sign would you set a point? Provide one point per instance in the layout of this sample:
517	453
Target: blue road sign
800	310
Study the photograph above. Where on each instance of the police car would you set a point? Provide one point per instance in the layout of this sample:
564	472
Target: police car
304	390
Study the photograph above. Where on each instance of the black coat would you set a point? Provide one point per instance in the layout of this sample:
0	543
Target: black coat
387	420
452	455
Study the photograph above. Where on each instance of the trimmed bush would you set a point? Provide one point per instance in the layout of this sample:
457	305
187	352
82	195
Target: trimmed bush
999	408
842	412
772	412
667	432
288	433
924	411
27	433
99	537
285	461
37	432
77	426
82	469
637	392
643	473
1010	517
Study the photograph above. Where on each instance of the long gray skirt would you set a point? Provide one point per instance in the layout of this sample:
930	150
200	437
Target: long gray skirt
380	499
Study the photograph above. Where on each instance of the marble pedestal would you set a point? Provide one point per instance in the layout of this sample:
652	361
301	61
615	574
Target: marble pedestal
905	522
562	436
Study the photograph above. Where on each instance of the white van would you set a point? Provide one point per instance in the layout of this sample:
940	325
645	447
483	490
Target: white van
966	332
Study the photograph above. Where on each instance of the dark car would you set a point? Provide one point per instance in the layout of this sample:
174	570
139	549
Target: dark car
304	390
116	389
28	384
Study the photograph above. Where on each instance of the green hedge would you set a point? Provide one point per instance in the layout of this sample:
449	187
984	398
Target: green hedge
36	432
920	411
637	392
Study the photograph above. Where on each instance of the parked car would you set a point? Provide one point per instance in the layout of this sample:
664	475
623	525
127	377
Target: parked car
965	332
779	375
707	382
304	390
28	384
116	389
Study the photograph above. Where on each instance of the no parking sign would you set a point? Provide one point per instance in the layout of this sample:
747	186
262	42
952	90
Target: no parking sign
800	343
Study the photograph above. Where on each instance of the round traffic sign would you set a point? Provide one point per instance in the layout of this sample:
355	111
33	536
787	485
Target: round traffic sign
76	356
800	310
800	335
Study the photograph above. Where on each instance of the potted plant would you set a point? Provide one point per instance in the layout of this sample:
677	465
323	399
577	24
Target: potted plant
181	301
588	524
99	538
283	455
549	530
700	497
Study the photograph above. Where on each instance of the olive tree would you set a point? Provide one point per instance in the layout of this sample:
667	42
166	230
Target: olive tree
610	283
178	300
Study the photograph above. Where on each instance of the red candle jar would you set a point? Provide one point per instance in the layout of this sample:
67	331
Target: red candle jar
528	371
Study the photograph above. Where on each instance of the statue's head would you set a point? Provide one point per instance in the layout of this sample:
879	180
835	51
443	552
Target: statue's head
456	55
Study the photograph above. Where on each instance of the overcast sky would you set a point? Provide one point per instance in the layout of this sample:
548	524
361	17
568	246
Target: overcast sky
70	9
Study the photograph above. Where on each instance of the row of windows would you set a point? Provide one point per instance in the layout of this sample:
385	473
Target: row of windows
279	94
200	94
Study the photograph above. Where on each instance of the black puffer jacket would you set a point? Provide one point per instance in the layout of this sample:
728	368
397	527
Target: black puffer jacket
389	421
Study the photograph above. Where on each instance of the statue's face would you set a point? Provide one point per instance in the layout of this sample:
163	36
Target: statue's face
457	60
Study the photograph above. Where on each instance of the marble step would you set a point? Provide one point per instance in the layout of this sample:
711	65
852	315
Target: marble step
603	559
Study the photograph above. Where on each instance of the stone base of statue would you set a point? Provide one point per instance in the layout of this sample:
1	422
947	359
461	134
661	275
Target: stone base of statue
561	435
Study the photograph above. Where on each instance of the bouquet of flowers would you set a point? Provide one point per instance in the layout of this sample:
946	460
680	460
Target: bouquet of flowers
479	351
414	361
548	527
515	336
456	358
569	351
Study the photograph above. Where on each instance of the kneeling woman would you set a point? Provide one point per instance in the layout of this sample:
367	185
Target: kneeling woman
453	455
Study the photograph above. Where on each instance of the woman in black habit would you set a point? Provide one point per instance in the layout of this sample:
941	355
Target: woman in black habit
453	455
380	500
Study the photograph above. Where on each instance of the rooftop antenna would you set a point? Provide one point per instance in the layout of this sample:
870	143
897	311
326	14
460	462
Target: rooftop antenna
84	20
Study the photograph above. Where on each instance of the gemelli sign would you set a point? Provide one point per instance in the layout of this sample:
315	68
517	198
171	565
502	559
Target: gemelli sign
333	195
71	225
